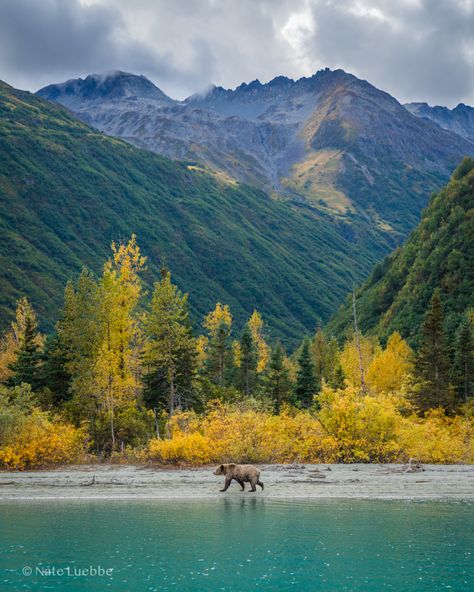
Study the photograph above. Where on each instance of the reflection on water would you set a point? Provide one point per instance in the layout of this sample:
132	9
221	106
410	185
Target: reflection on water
239	544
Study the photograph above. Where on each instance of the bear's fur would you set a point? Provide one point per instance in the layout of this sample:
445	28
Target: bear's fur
240	473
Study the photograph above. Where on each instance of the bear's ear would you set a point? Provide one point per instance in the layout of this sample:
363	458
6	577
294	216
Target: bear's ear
221	467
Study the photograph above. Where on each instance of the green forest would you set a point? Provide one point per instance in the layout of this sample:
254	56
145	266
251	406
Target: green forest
437	254
68	191
126	376
158	351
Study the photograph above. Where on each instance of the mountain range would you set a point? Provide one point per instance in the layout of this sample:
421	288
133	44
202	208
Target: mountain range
67	191
331	140
459	120
277	196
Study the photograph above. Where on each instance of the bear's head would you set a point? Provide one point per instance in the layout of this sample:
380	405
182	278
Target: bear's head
224	469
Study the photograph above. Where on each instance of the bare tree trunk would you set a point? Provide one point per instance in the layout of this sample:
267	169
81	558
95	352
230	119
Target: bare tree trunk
172	394
359	350
109	392
112	427
171	402
157	427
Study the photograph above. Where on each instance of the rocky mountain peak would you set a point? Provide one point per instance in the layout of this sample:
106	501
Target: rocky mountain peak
459	120
109	86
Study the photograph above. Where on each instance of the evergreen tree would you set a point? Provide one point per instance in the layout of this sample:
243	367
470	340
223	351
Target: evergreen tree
54	376
248	362
432	369
26	367
337	377
326	359
277	382
79	336
463	367
170	351
218	323
306	383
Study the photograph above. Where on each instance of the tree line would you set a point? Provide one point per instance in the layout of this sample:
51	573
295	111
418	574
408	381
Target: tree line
121	363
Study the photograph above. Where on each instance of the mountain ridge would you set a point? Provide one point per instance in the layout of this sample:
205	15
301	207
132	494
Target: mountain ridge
68	190
331	140
459	120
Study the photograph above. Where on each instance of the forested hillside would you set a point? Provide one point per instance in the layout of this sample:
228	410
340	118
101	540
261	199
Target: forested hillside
438	254
67	191
332	140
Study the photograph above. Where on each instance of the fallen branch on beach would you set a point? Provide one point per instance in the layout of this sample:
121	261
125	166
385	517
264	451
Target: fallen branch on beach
92	482
114	481
413	466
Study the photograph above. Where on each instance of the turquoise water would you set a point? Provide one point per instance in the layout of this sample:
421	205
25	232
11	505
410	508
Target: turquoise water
239	545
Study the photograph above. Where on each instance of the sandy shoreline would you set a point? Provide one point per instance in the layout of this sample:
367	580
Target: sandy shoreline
106	482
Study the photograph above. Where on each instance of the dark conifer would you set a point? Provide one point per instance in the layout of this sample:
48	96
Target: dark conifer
306	383
463	368
277	382
432	368
248	362
26	367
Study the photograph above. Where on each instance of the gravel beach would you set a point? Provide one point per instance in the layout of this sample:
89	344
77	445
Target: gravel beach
105	482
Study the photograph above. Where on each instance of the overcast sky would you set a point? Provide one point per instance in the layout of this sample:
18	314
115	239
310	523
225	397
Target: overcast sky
417	50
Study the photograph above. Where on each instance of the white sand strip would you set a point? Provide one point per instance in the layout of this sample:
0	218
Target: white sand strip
105	482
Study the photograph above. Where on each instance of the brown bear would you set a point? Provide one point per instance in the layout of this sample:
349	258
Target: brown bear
240	473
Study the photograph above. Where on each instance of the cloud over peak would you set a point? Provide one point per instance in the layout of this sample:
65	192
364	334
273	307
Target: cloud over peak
414	49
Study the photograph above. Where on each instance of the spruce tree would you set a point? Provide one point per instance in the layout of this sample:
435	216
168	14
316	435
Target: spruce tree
306	383
218	363
432	368
26	367
326	359
336	379
463	367
170	351
54	376
277	382
248	362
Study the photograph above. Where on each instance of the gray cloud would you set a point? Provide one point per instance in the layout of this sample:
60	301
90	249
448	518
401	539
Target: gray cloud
414	49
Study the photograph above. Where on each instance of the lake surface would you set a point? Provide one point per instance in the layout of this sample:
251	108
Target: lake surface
238	544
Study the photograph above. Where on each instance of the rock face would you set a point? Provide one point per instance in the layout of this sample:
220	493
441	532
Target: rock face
459	120
332	140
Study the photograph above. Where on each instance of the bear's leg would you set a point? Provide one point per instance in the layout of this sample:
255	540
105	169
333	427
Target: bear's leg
226	484
241	483
260	483
253	483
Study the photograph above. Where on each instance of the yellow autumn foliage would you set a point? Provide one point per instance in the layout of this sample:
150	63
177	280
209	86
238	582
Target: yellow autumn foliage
40	441
262	348
350	427
220	315
390	368
190	448
437	438
349	358
228	433
363	427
